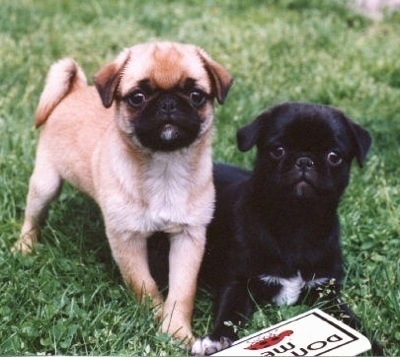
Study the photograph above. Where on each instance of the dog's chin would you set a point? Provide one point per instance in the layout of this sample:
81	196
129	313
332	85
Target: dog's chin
304	190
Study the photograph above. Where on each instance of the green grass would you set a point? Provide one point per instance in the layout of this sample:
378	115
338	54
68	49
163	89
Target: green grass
67	297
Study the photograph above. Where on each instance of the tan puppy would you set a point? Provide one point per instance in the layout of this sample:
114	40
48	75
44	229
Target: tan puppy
140	146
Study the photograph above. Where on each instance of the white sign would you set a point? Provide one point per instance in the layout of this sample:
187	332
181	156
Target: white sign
313	333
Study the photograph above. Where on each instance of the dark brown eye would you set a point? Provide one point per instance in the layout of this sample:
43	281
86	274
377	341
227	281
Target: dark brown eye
277	152
334	158
136	99
197	97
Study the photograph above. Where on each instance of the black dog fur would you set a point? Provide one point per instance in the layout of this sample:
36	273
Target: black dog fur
277	226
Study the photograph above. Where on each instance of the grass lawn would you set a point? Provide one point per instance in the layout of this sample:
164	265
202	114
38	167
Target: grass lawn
68	298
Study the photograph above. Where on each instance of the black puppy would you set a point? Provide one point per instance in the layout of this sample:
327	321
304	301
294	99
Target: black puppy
276	234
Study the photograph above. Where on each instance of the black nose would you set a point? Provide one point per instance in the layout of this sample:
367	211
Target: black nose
167	105
304	162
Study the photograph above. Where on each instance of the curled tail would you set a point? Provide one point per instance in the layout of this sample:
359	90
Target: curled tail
63	76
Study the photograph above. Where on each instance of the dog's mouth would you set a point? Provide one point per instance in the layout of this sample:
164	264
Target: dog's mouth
304	189
169	132
167	135
303	184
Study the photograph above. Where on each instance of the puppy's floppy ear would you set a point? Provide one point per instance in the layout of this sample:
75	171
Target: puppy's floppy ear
220	77
362	140
108	77
248	135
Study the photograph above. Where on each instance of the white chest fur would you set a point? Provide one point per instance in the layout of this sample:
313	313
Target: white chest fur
167	190
167	193
291	287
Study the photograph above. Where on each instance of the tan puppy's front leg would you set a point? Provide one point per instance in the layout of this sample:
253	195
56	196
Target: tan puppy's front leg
185	257
130	254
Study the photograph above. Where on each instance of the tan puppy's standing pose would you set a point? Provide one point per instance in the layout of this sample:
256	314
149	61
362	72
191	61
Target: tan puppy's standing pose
140	146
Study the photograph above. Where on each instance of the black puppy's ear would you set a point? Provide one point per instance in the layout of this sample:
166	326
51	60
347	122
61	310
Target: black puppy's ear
364	141
248	135
362	138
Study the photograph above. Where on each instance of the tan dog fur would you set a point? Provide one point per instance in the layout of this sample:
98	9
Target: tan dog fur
86	139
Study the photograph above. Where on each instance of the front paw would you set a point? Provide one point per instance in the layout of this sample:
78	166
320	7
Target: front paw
206	345
176	322
24	245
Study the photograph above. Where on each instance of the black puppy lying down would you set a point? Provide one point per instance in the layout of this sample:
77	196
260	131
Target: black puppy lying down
275	234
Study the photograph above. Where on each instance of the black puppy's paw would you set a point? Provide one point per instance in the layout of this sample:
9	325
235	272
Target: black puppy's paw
206	345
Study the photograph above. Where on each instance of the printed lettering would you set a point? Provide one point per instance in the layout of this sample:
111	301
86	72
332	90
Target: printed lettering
290	348
334	338
283	349
305	352
318	344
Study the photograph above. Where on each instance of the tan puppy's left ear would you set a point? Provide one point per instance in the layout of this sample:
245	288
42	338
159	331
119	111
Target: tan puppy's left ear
220	77
107	78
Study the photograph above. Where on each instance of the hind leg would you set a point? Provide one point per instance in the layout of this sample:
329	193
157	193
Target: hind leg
44	187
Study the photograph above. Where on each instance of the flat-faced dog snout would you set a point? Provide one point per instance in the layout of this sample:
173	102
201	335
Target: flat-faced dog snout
167	105
304	163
